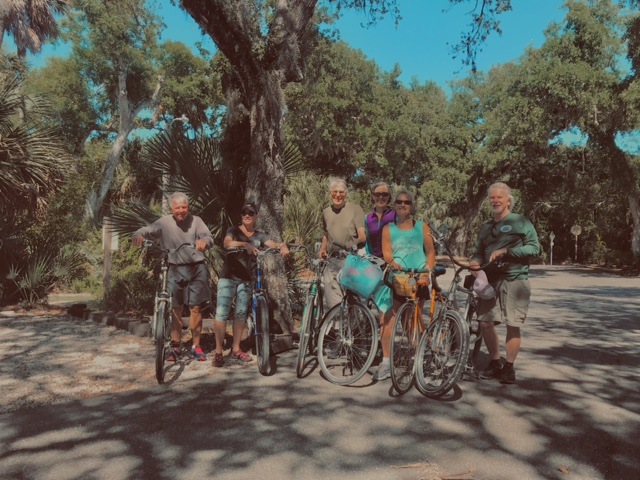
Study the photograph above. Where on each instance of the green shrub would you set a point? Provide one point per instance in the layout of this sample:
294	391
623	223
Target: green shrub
132	283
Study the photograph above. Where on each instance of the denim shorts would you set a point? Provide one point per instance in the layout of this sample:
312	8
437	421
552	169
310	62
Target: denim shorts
510	305
188	284
229	288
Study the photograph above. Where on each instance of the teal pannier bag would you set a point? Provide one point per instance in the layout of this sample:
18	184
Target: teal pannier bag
361	275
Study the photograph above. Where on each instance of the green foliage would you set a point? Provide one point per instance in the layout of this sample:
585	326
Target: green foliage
36	275
132	283
304	200
61	81
192	87
111	38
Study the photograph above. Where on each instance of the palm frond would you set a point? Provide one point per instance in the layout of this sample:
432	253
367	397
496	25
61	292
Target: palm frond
292	160
128	218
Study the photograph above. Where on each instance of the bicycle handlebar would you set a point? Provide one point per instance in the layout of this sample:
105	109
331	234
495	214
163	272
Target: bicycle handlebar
260	252
498	261
151	244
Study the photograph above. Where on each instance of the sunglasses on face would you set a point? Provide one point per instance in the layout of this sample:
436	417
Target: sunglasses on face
248	213
381	194
403	202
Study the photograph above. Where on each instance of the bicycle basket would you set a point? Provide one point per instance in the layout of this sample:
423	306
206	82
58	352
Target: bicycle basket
360	275
403	284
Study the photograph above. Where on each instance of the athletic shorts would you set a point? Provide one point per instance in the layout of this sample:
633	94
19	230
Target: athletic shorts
228	288
189	284
510	305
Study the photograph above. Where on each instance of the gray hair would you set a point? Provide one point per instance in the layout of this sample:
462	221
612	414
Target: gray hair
412	210
179	197
506	188
338	182
381	184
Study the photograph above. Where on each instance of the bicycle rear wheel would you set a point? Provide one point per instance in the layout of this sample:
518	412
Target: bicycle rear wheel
347	342
162	339
306	332
404	344
262	336
442	355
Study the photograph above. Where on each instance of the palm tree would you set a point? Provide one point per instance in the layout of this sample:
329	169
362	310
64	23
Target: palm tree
31	22
33	164
32	160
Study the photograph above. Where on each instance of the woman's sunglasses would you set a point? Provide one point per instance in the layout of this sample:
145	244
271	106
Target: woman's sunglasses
248	212
403	202
381	194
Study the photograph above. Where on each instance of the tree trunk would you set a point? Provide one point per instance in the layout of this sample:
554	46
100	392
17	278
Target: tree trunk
265	184
263	65
126	117
462	240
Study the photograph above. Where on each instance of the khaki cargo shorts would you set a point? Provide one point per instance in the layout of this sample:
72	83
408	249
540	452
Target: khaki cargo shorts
510	305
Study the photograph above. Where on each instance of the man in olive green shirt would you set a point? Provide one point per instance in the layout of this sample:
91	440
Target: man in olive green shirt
512	240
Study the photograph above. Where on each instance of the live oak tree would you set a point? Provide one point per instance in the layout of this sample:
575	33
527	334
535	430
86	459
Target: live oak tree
263	41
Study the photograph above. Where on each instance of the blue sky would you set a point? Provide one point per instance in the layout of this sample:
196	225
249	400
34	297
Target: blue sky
421	44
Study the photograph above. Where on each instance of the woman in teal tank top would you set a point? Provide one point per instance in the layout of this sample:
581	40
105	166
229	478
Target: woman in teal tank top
406	243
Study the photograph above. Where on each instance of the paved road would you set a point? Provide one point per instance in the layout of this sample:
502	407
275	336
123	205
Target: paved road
80	402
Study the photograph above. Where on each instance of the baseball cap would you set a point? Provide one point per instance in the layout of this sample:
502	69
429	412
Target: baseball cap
250	206
482	288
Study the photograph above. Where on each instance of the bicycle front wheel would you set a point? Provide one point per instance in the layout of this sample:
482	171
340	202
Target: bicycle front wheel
442	354
404	344
162	338
305	332
262	335
347	343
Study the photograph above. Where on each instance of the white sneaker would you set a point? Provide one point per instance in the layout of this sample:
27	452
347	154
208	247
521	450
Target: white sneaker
383	372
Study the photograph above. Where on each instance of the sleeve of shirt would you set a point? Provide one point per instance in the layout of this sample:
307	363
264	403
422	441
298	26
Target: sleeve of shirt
150	232
530	245
358	217
478	251
203	232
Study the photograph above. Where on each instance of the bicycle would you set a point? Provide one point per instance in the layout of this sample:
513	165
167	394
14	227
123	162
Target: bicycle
467	307
408	326
311	317
444	352
259	318
348	337
162	311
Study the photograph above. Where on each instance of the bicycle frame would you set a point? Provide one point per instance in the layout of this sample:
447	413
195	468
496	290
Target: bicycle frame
347	338
311	316
162	292
260	317
406	335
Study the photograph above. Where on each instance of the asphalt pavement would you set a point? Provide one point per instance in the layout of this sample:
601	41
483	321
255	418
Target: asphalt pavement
574	412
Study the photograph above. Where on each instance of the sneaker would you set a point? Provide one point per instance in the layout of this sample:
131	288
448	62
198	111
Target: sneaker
218	360
176	353
240	356
494	370
383	372
198	354
508	375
